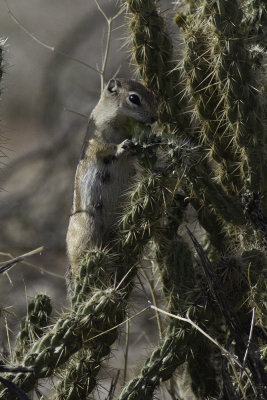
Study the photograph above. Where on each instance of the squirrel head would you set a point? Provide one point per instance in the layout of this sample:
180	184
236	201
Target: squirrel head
123	100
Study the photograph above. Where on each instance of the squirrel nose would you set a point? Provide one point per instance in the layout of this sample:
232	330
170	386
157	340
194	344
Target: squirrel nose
153	119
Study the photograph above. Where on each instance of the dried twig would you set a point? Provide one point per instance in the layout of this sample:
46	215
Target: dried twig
107	48
225	352
117	326
233	359
4	368
11	263
126	353
250	336
113	386
48	47
154	298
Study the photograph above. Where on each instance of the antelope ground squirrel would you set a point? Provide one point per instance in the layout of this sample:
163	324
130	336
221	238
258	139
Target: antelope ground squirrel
106	164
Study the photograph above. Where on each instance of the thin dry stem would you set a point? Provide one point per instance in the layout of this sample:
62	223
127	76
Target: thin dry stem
233	359
117	326
107	48
189	321
155	302
48	47
250	336
11	263
126	351
76	113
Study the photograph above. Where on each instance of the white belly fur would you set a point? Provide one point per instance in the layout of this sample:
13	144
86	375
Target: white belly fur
100	203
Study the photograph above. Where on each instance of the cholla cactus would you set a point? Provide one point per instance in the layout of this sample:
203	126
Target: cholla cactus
32	327
209	156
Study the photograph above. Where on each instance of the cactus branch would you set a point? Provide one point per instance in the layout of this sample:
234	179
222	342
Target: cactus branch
32	327
153	51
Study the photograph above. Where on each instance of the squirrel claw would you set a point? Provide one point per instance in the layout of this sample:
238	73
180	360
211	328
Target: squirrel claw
126	147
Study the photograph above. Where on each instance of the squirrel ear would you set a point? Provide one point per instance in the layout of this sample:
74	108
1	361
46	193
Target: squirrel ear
113	86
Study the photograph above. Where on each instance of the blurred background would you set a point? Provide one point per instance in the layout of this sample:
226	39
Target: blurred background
43	138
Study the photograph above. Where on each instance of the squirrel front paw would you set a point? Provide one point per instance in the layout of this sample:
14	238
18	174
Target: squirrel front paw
127	147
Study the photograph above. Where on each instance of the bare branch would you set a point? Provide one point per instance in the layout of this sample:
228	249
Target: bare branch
76	112
101	10
250	336
122	323
104	63
4	368
155	302
126	353
11	263
189	321
233	359
109	23
48	47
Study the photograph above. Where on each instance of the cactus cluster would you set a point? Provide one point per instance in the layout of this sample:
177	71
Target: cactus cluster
206	169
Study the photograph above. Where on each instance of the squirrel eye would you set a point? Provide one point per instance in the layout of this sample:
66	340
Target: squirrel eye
134	99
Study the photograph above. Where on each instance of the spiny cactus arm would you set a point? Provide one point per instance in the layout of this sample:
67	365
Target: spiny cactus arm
105	309
80	377
232	320
256	263
201	182
224	90
177	273
204	374
153	51
215	207
255	19
175	263
243	279
96	269
177	347
200	76
238	275
215	227
174	260
160	366
212	195
242	100
258	300
235	286
32	327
